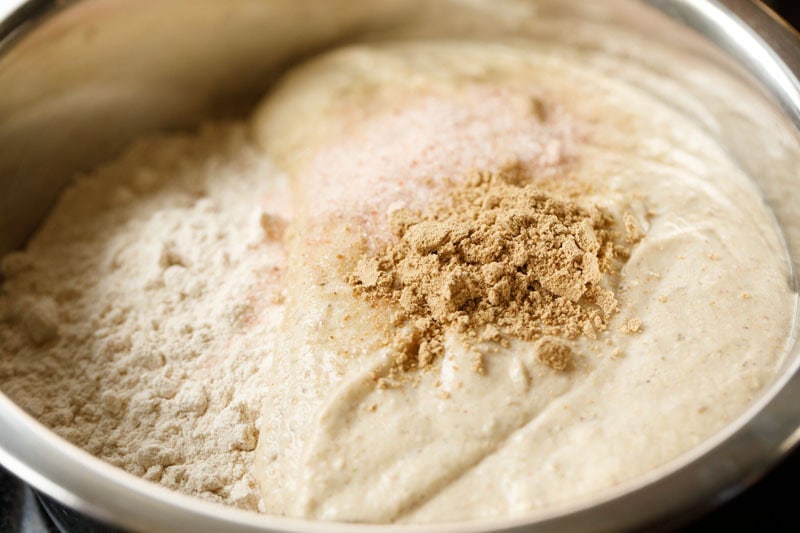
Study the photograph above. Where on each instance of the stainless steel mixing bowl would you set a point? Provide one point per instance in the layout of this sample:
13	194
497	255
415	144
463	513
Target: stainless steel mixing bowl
80	79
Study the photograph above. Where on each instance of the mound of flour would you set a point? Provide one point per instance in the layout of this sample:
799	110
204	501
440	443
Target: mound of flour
138	324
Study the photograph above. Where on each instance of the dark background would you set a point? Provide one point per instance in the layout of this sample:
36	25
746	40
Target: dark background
788	9
769	504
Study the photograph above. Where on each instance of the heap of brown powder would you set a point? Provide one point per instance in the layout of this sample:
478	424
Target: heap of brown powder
496	260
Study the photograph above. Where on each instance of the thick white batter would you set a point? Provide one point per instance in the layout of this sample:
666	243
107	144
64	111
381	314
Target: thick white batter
365	130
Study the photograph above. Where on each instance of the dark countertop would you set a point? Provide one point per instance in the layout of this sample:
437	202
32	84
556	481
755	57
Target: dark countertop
788	9
19	509
767	505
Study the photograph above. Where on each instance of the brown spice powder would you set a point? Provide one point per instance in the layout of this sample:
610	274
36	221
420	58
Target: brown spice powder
496	260
554	353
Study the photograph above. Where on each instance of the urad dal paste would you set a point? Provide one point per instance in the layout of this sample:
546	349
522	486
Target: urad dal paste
427	281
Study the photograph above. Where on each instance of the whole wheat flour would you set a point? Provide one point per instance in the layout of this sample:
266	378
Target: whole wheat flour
132	334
